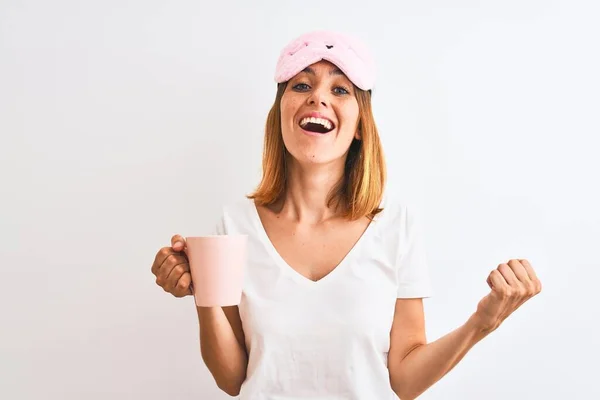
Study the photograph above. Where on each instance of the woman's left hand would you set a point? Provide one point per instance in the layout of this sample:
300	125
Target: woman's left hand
512	285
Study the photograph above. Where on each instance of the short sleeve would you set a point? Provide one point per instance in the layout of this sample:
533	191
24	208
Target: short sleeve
412	265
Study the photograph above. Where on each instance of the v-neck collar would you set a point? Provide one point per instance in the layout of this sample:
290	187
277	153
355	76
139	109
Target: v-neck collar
291	272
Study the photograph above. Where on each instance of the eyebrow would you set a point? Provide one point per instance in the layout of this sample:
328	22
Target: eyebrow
335	71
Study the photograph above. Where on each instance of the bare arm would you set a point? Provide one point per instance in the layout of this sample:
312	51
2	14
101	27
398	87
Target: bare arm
222	346
222	342
416	365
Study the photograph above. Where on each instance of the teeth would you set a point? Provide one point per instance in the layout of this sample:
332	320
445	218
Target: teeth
314	120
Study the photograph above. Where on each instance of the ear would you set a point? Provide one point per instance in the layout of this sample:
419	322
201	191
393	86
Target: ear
358	133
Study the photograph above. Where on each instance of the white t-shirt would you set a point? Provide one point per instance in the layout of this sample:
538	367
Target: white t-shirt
328	339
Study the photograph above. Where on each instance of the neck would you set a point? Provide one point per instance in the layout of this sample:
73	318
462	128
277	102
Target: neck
307	191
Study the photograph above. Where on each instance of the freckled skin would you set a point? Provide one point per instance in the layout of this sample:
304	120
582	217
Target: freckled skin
324	93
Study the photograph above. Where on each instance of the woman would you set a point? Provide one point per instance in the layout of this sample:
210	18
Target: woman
332	304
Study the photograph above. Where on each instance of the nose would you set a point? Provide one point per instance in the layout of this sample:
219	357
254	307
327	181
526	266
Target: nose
320	97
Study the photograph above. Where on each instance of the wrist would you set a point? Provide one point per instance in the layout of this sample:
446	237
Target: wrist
478	327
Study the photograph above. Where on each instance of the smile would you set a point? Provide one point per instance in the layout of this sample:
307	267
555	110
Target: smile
317	124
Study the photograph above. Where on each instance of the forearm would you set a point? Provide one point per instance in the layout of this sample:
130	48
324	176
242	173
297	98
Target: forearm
427	364
221	351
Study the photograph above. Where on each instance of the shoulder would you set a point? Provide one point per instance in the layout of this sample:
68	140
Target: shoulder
394	210
399	214
236	216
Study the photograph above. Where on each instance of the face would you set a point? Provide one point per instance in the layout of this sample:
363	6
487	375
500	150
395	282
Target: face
319	115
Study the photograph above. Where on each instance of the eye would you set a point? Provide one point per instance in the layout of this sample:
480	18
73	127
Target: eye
301	87
340	90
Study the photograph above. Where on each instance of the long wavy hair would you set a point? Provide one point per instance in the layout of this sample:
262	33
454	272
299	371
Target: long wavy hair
360	190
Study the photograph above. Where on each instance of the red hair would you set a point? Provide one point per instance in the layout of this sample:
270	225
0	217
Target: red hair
359	191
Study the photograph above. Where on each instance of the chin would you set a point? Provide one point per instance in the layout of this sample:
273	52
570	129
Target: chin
308	151
312	159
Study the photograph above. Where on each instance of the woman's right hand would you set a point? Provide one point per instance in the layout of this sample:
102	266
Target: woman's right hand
222	340
172	268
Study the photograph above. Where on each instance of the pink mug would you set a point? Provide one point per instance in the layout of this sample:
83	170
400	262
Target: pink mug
217	264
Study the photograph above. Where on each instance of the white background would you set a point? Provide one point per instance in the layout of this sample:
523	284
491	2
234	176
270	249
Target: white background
124	122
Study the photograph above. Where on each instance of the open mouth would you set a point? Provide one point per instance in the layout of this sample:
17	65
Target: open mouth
317	125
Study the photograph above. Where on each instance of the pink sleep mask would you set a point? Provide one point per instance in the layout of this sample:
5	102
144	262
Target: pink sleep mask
348	53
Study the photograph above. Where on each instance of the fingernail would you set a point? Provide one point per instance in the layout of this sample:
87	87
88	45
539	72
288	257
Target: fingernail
176	244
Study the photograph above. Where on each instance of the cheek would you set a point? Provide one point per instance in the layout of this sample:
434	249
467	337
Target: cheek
288	106
350	117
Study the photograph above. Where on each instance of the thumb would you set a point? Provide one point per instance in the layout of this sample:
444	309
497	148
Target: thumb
178	243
